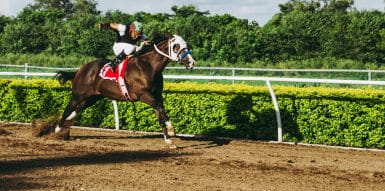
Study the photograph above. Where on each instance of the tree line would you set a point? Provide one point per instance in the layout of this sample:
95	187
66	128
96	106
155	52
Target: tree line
303	29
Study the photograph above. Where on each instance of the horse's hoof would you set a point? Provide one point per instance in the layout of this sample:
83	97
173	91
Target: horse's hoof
173	147
64	134
168	141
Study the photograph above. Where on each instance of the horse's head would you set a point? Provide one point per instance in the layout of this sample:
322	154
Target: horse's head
178	51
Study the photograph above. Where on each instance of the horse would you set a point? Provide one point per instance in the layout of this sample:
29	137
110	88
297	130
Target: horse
143	77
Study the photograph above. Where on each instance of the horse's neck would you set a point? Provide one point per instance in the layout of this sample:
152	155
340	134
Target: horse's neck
158	61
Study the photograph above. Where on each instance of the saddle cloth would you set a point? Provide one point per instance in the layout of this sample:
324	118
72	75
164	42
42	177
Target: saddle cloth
118	75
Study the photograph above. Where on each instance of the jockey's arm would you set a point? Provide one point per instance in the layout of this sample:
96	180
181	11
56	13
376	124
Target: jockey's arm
114	26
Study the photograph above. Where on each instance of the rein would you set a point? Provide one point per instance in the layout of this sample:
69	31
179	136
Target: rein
164	54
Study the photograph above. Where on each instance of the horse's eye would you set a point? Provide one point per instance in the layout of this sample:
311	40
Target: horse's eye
176	48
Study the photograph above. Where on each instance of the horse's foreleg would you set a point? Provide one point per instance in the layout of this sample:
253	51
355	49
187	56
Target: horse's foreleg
161	115
170	128
157	94
164	122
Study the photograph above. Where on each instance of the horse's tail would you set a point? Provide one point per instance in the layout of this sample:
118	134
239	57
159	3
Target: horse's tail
64	76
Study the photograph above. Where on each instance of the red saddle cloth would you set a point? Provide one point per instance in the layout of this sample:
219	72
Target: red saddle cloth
118	75
107	73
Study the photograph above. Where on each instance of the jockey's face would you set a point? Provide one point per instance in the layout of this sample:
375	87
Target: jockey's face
135	34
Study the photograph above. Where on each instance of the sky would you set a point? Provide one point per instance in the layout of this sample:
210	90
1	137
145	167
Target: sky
253	10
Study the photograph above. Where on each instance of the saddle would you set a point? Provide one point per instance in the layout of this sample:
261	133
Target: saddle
118	75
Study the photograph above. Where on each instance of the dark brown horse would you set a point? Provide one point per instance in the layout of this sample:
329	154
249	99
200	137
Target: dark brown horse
143	77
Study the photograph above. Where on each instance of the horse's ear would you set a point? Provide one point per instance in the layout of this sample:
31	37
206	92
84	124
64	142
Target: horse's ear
158	37
169	35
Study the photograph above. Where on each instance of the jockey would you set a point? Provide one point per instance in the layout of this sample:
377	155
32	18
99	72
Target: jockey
126	38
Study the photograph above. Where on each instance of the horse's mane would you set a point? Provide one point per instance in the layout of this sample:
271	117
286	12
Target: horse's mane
158	38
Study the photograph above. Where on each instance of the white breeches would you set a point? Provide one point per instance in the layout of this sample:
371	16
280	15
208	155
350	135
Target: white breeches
126	47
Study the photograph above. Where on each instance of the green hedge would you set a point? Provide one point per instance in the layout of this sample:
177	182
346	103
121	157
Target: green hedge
347	117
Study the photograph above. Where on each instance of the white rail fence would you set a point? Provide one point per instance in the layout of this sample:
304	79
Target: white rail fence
267	80
26	67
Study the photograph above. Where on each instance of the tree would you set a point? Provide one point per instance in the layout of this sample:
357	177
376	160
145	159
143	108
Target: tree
86	7
4	20
316	5
338	5
22	38
64	5
186	11
29	33
117	17
300	5
30	16
147	17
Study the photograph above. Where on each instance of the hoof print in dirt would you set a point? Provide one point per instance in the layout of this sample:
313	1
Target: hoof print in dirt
4	132
42	127
64	134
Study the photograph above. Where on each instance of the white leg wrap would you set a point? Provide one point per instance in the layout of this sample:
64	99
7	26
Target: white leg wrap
73	115
57	129
170	129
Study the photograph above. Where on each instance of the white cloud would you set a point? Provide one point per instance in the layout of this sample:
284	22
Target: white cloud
13	7
5	7
369	5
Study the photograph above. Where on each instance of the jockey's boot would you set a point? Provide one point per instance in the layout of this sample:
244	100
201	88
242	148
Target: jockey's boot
117	60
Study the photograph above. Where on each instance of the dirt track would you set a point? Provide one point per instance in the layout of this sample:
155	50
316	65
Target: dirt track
100	160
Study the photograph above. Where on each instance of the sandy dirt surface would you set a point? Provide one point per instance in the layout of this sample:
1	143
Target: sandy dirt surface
101	160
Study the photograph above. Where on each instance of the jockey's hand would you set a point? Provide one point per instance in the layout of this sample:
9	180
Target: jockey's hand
103	26
143	43
147	42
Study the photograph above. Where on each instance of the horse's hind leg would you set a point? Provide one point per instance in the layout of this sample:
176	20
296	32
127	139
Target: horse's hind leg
75	107
69	112
88	102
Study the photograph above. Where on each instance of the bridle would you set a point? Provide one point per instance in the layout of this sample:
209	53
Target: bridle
175	56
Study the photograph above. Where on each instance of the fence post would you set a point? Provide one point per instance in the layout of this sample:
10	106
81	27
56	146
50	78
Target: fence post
369	76
233	71
116	114
26	71
276	109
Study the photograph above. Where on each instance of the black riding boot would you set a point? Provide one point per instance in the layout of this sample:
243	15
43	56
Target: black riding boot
117	60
